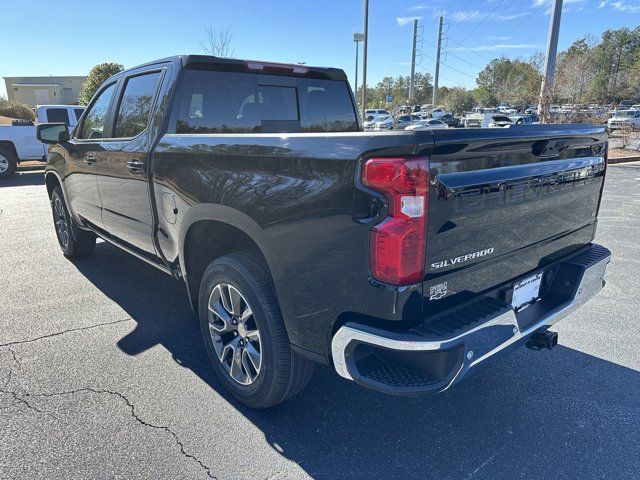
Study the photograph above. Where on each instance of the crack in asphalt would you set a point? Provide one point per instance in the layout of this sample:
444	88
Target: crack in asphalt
22	398
56	334
14	394
129	404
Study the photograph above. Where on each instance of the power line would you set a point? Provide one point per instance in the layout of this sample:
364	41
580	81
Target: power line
483	21
450	81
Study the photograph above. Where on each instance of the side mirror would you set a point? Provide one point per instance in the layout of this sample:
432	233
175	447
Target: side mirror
52	133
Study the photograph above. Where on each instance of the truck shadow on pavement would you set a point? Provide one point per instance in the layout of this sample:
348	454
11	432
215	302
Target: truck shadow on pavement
23	178
558	414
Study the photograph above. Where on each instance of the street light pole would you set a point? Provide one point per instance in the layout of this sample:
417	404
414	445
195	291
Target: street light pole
364	57
413	60
437	72
550	62
357	37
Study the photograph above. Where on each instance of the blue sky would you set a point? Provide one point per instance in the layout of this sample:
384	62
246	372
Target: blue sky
38	39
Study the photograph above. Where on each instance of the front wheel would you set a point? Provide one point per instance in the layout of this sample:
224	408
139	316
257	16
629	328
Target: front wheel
244	332
73	242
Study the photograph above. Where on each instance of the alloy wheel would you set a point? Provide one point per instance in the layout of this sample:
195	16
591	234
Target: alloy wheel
4	164
60	219
234	333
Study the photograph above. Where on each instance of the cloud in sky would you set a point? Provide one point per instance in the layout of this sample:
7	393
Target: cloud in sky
491	48
544	3
621	6
402	21
475	15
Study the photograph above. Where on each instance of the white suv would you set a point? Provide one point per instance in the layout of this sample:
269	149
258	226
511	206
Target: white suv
625	118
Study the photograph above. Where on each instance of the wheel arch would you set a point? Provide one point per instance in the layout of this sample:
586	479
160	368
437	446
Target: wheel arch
208	232
10	147
52	181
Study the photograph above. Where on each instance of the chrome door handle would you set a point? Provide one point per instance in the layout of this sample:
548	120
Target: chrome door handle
135	166
89	159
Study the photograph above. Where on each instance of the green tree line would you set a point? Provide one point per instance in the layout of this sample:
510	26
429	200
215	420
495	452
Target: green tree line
591	70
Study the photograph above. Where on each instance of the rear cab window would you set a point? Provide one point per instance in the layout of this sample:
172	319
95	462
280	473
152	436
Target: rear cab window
233	102
58	115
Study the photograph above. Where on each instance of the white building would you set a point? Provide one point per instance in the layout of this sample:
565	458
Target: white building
44	90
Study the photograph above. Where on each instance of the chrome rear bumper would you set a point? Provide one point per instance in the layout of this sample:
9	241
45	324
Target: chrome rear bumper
434	356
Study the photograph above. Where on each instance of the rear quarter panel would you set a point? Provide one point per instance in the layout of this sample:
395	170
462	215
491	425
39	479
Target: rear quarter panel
296	196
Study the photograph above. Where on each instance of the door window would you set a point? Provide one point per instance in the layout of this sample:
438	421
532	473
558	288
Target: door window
135	104
78	112
96	117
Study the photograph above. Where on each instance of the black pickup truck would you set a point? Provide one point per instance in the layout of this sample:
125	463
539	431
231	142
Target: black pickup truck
403	259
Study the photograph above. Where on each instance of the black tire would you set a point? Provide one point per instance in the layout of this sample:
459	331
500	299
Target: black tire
282	372
8	163
73	241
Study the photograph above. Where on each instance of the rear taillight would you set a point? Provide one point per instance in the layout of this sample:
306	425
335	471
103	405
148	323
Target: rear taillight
398	243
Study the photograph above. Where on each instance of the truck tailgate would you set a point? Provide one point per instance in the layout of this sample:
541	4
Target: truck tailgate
505	202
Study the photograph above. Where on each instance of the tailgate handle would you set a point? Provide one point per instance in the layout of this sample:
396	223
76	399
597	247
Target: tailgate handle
549	148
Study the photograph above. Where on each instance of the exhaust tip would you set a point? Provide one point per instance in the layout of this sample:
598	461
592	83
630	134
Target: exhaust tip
543	339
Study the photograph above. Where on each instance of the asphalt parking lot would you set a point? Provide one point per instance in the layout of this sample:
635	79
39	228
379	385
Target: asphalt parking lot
103	375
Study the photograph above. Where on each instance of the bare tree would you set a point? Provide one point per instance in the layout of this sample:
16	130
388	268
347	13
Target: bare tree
217	42
626	135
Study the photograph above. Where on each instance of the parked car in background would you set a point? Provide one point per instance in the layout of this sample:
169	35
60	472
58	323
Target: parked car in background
403	121
499	121
531	110
483	120
523	119
430	124
507	110
437	113
635	107
450	120
375	112
625	104
18	142
383	122
624	118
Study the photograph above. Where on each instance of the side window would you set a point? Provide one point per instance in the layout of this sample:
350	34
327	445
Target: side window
135	104
78	112
58	115
96	117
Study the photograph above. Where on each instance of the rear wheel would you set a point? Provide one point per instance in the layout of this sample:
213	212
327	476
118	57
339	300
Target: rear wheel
73	241
8	163
244	333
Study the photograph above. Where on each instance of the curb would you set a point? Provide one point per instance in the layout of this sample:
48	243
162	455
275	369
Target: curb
613	161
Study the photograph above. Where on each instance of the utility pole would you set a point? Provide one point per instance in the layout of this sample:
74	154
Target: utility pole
550	62
437	74
357	37
364	58
413	59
